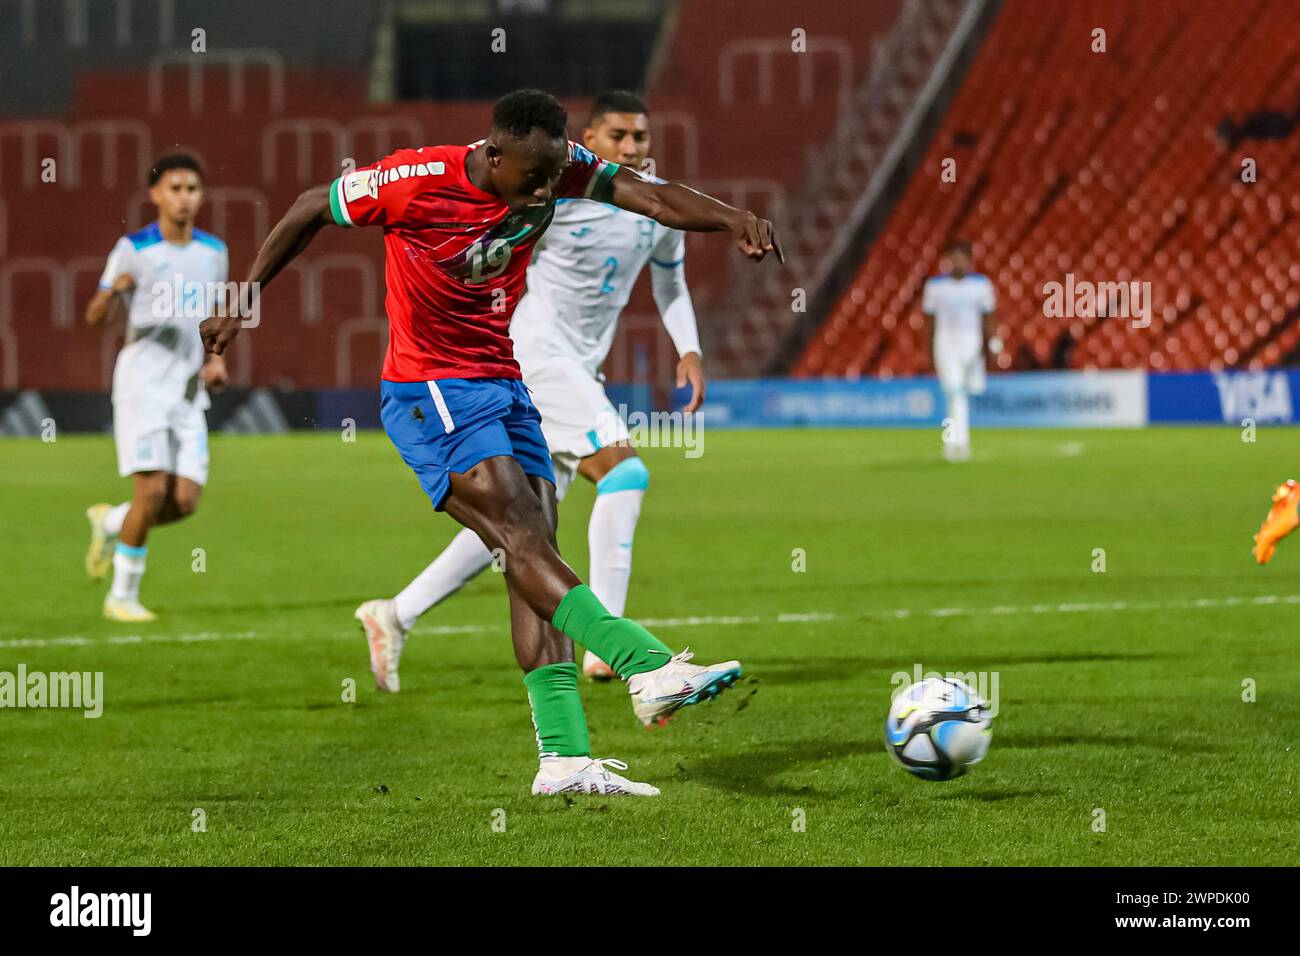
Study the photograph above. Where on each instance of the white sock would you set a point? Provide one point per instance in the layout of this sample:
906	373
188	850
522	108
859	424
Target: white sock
113	520
609	538
461	560
128	569
959	412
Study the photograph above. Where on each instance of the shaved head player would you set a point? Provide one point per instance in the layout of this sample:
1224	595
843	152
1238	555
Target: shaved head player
581	277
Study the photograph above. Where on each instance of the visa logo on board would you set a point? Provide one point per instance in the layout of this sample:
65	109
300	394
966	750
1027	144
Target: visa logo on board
1263	396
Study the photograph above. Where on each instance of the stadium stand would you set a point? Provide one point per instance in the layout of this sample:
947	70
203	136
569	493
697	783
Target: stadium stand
1180	102
754	146
752	328
267	124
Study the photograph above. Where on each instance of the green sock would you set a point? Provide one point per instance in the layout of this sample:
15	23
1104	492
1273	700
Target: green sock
557	710
624	645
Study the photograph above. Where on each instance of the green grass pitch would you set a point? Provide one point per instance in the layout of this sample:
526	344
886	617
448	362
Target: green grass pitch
1119	691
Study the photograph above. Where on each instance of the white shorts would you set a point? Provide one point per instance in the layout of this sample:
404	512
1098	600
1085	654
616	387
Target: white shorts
156	437
578	419
960	367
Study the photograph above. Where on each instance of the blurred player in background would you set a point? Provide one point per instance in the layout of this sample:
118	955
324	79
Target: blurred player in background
581	277
460	224
959	304
1281	520
168	276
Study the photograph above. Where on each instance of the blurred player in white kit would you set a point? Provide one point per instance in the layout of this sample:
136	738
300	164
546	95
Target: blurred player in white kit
169	276
960	303
580	279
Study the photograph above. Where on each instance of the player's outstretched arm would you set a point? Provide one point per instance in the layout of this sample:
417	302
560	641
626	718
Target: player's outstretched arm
106	303
291	235
680	207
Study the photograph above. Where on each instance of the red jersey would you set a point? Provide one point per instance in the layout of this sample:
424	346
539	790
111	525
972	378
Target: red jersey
455	257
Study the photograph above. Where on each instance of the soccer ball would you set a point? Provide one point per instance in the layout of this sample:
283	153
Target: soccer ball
938	728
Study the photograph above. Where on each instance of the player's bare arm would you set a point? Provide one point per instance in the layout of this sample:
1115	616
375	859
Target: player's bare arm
927	334
214	374
992	343
680	207
107	304
291	235
690	371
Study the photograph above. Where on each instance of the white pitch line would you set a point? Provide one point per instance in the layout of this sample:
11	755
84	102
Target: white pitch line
898	614
80	641
697	621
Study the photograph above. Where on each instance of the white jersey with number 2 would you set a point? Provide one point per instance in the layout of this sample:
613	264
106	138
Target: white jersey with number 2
579	281
582	275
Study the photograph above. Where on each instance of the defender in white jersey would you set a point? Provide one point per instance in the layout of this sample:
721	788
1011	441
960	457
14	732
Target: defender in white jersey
168	276
960	304
582	274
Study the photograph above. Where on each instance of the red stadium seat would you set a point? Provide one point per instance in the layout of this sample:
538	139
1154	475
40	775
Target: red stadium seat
1113	175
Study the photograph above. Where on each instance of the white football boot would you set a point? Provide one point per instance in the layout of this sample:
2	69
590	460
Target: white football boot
658	694
385	636
585	775
127	612
596	669
99	556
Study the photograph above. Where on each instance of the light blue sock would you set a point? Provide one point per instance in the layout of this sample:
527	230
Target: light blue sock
611	529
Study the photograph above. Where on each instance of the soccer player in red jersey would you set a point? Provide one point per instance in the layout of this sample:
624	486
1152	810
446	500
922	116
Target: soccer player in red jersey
460	223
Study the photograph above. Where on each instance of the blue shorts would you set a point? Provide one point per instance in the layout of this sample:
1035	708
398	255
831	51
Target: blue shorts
451	425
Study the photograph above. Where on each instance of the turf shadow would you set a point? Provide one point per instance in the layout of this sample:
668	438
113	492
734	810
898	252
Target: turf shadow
167	703
995	796
751	772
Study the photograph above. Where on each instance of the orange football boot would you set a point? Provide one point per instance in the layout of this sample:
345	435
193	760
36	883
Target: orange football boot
1281	521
